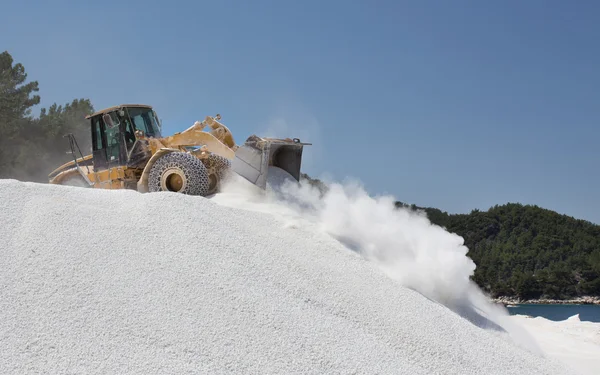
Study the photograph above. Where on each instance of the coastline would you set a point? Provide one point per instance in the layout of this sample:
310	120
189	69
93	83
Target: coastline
585	300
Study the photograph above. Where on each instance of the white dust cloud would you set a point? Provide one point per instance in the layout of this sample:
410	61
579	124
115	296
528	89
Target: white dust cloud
403	243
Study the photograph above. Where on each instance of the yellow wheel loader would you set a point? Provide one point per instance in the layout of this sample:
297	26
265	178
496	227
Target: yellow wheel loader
129	152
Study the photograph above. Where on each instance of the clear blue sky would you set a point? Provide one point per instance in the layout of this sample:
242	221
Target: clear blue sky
452	104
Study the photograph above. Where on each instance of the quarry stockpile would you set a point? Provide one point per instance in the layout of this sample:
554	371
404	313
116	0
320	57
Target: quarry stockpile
99	281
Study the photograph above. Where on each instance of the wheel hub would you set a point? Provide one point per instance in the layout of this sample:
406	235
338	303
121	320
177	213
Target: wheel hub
173	179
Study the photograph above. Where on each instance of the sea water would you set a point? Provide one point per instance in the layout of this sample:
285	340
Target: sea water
590	313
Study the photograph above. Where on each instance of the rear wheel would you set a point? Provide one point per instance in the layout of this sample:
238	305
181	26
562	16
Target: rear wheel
216	166
180	173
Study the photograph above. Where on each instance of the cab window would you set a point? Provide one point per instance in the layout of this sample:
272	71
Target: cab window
105	134
143	119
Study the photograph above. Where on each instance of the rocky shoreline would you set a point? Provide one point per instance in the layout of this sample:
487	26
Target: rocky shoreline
585	300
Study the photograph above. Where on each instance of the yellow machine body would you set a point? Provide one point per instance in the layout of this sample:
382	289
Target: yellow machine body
127	144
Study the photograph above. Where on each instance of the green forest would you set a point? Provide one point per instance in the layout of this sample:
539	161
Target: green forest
520	250
32	146
526	251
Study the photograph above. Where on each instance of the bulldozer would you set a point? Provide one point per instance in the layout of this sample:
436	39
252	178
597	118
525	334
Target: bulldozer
129	152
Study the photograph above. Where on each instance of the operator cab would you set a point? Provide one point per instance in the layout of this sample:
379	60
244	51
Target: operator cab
113	133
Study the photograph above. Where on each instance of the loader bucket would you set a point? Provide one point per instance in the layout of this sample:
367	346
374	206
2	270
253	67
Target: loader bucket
253	159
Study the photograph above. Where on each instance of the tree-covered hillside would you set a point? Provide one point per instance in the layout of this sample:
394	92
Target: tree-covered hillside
526	251
31	147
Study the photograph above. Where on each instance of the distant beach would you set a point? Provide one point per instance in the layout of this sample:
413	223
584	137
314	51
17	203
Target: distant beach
585	300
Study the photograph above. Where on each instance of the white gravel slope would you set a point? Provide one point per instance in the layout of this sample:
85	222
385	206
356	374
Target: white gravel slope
120	282
575	342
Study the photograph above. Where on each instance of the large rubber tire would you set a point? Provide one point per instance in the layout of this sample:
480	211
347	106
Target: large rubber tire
179	172
216	166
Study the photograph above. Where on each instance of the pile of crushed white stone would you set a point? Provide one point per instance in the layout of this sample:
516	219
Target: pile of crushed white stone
573	341
97	281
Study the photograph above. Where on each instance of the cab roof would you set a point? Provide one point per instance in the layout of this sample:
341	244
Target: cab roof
116	107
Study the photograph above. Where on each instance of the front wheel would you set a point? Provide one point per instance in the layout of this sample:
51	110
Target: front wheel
180	173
